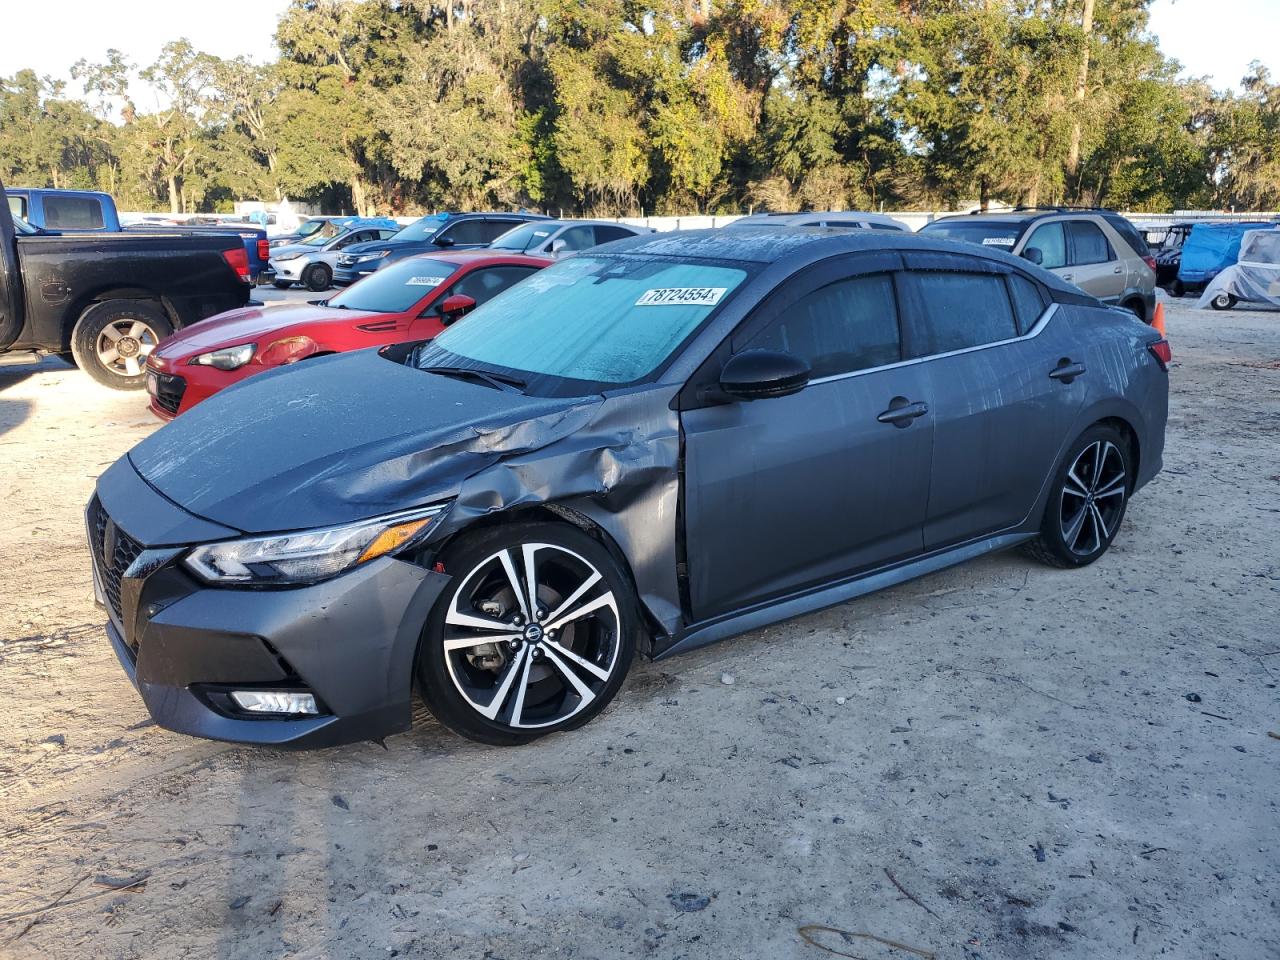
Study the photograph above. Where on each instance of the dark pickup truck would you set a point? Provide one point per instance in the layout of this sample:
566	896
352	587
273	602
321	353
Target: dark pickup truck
104	300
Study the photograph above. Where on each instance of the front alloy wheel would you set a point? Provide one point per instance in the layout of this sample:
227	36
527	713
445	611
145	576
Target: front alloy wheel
534	635
1087	500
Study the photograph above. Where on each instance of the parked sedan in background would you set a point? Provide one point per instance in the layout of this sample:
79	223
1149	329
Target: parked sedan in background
559	238
413	300
835	219
647	448
1098	250
312	261
439	231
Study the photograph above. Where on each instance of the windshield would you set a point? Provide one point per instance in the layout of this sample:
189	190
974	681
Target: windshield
523	237
396	287
311	226
605	320
988	233
422	229
21	226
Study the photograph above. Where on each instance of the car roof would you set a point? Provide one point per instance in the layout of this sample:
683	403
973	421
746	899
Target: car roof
766	245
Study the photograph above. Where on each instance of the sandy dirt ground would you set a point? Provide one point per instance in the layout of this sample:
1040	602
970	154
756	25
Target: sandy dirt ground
1001	760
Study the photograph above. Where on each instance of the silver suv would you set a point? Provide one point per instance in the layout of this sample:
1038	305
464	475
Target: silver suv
1098	250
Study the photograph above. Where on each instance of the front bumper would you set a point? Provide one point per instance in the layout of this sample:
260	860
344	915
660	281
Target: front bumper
283	270
345	274
350	641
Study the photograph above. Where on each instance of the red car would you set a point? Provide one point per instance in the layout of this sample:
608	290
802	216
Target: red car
413	299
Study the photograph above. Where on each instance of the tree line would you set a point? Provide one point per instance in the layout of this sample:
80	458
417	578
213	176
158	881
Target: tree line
668	106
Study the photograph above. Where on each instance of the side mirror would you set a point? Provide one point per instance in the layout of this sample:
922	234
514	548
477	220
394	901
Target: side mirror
762	374
557	245
443	242
455	308
1034	254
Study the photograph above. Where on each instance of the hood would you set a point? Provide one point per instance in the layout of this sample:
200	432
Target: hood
342	438
395	246
247	325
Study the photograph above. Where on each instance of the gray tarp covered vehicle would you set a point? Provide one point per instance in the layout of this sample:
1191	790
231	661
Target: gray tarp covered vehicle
1255	277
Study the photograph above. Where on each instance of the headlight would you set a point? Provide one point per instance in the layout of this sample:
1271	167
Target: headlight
309	555
228	358
282	258
365	257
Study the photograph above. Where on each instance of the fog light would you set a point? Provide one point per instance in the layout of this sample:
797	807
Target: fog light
274	701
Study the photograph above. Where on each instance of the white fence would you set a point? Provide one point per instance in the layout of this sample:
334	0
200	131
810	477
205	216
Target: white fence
915	219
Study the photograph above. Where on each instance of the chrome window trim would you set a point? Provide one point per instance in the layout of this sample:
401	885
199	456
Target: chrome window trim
1041	322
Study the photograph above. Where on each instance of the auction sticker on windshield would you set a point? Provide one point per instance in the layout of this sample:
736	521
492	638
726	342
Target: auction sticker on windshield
424	281
682	296
997	241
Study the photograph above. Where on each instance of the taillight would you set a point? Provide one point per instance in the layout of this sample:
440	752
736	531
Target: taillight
1150	261
264	249
238	260
1162	352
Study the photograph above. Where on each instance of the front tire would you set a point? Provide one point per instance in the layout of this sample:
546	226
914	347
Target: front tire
1223	301
282	284
1087	500
112	340
318	277
534	634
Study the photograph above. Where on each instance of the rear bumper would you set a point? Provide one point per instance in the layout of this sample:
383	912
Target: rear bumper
350	641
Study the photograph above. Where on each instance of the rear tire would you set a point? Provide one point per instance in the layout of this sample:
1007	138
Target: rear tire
1223	301
112	340
491	668
318	277
1137	308
1087	500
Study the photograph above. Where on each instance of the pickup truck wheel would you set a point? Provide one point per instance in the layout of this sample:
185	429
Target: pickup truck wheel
318	277
112	340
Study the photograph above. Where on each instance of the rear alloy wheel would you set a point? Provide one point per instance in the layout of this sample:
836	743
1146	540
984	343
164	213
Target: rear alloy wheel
112	340
1086	502
535	634
318	277
1223	301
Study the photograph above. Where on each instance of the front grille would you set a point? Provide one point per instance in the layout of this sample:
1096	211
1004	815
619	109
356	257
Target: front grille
113	551
169	391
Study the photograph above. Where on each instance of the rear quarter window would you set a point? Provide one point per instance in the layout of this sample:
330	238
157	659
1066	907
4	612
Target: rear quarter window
1028	301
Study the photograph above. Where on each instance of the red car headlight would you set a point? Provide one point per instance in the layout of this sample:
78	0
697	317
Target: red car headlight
287	350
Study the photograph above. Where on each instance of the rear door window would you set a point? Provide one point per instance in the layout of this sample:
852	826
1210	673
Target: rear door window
606	233
72	213
1088	243
845	326
475	231
955	311
1052	244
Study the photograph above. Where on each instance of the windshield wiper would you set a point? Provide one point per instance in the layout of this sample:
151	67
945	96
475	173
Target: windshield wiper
501	381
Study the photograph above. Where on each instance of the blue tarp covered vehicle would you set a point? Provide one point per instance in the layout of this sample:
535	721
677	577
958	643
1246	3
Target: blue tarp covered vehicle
1210	249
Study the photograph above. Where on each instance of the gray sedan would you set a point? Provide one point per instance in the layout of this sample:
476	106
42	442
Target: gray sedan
641	449
559	238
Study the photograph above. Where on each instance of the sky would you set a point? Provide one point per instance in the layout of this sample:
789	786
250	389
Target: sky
1214	38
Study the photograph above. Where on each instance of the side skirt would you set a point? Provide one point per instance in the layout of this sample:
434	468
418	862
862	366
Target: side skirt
796	605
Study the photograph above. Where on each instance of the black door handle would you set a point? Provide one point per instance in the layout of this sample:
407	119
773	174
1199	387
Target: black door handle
902	411
1066	371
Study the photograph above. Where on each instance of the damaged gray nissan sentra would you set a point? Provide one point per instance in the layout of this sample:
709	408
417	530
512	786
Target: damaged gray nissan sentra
646	448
